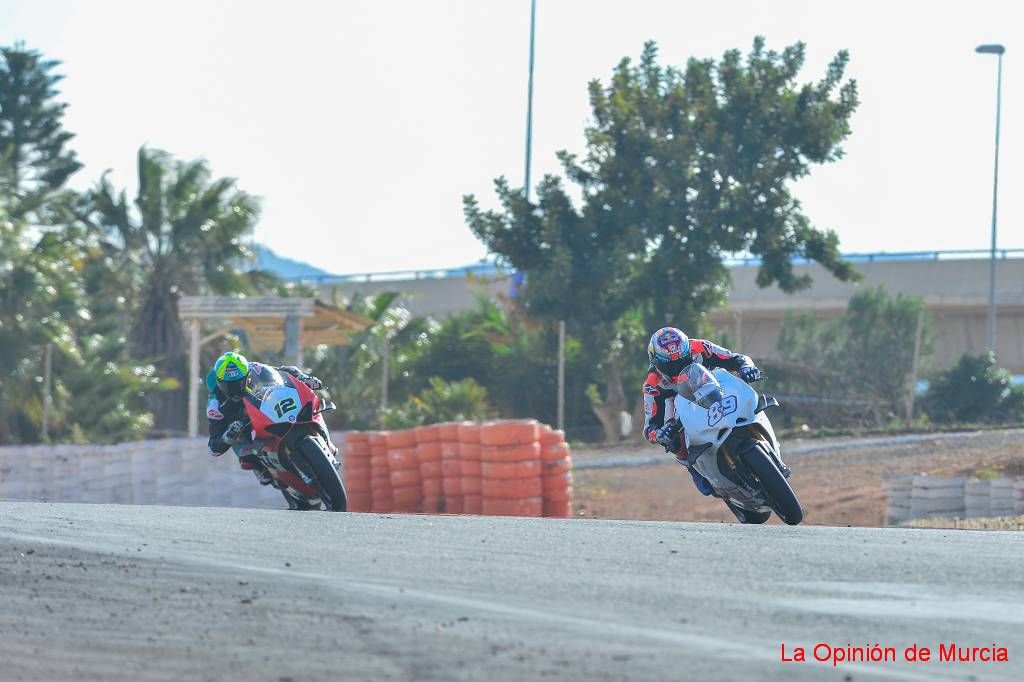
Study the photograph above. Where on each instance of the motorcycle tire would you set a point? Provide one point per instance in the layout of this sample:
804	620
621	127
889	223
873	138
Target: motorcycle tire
325	476
786	504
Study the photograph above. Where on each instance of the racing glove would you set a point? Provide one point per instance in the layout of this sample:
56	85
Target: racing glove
750	374
311	381
233	434
668	436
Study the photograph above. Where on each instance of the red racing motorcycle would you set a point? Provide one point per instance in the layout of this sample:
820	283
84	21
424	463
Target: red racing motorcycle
290	438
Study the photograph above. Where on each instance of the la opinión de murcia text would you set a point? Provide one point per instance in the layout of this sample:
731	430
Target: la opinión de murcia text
951	652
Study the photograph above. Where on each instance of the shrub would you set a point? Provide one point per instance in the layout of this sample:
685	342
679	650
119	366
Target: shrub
975	389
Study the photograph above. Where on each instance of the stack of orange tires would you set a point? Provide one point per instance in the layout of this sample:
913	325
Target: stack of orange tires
511	482
451	469
428	448
381	499
469	468
404	468
356	467
556	464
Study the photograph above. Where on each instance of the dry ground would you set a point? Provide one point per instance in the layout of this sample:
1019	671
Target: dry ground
836	487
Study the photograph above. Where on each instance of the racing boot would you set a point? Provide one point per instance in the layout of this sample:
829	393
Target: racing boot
252	463
703	484
263	476
330	443
747	516
295	504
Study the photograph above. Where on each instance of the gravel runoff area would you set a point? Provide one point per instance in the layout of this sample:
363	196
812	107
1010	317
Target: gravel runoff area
839	481
108	593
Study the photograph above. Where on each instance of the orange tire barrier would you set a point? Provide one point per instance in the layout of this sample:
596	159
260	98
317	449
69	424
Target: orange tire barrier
532	506
431	488
563	495
408	498
403	478
510	453
359	502
552	484
431	433
554	451
512	467
512	488
557	510
356	470
469	467
550	436
451	477
403	458
471	473
512	432
405	438
472	504
557	466
432	469
428	449
469	432
381	498
448	432
524	469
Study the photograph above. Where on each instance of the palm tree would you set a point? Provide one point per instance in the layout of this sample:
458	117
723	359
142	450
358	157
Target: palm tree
354	371
184	234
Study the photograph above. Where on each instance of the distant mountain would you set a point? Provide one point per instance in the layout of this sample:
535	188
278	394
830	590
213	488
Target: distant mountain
285	268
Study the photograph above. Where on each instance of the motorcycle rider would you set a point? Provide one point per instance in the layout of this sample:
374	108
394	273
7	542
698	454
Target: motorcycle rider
671	352
226	410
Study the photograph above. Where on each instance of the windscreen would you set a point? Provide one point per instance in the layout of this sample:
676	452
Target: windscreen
262	380
700	386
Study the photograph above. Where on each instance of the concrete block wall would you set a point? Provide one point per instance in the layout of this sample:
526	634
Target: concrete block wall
173	472
916	497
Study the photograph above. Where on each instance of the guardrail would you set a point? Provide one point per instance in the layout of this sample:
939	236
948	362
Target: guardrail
493	270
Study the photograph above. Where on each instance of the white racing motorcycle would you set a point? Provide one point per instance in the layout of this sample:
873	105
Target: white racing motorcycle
732	444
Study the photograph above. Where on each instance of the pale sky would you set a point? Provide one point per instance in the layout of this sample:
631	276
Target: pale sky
362	124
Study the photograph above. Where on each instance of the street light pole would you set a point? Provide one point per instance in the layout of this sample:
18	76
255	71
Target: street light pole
529	98
996	50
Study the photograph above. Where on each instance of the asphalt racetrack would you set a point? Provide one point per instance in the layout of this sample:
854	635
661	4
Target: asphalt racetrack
93	592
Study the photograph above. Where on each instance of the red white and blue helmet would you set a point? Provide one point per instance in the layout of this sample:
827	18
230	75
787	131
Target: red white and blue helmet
669	351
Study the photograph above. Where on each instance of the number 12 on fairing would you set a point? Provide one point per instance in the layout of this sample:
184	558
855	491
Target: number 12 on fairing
284	407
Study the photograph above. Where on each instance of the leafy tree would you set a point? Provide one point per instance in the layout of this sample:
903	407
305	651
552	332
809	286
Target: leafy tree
38	303
510	356
440	402
35	161
860	363
184	234
682	167
975	389
354	372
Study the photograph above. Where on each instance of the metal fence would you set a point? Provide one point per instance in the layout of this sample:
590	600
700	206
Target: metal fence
491	269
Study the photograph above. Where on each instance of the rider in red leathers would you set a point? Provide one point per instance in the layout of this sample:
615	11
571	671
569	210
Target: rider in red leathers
671	352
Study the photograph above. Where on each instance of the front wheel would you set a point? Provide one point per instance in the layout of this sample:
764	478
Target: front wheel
325	476
784	500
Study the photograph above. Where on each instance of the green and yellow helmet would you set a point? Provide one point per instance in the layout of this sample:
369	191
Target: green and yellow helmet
231	370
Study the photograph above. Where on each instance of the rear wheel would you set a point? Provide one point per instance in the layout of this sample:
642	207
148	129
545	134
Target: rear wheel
783	499
325	476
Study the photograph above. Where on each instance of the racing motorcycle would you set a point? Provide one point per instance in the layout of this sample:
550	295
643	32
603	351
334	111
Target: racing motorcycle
290	438
732	444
